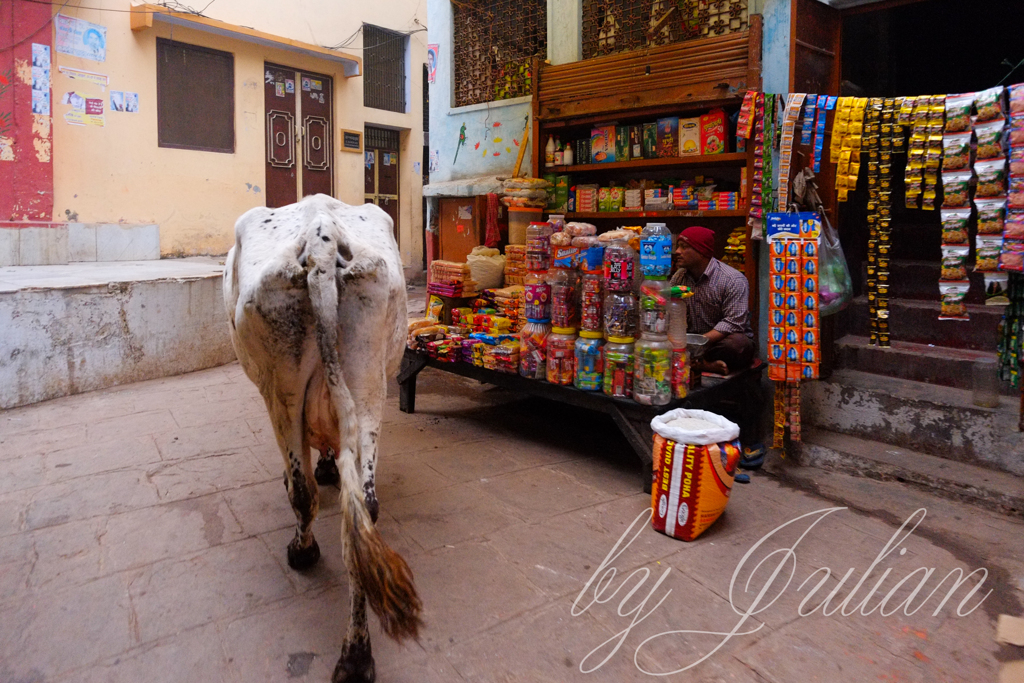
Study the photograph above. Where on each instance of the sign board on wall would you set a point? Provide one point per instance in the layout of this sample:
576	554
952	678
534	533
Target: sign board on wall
80	38
351	141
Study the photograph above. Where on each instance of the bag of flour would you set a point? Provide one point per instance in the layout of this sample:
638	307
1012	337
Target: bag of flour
695	456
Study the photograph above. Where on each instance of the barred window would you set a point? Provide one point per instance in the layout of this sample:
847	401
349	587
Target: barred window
611	26
494	42
384	68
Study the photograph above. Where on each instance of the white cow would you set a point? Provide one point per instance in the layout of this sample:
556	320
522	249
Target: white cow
315	297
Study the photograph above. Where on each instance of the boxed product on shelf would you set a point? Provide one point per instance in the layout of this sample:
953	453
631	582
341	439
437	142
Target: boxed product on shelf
668	136
622	143
633	200
713	132
636	141
602	144
650	140
689	136
586	198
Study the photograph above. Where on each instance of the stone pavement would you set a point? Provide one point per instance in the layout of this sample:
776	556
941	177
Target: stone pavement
143	532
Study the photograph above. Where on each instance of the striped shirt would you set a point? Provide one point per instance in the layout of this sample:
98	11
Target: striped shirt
720	300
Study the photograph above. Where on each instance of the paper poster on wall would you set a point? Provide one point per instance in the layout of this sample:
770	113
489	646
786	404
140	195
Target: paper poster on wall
80	118
305	85
416	167
369	158
80	38
435	161
41	102
289	85
466	212
116	100
433	51
279	89
96	79
131	102
387	159
315	84
93	106
40	79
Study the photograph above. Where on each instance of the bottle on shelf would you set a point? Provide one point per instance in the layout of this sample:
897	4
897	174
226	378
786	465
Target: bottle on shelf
652	370
533	340
567	155
591	297
561	355
677	339
589	361
549	151
618	367
565	302
656	250
559	152
654	304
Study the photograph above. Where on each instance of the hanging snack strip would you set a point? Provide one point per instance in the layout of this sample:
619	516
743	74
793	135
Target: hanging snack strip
877	261
933	152
768	174
825	105
847	138
915	113
1011	257
887	134
807	127
756	215
793	104
780	419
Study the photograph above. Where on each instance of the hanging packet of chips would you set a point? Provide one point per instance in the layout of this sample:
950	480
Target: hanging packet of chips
956	189
954	225
956	151
958	112
990	139
988	249
953	295
991	178
991	216
990	104
954	262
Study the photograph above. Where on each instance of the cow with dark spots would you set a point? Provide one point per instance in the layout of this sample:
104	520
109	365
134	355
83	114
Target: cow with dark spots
317	316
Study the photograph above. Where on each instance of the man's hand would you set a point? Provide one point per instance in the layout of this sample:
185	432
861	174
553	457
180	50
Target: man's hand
715	336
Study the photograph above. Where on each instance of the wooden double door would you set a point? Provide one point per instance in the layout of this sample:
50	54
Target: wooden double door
380	162
300	152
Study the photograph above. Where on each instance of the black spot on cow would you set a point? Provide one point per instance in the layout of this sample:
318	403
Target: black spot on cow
268	220
325	238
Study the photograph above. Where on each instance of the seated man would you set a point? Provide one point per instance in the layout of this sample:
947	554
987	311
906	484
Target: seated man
718	308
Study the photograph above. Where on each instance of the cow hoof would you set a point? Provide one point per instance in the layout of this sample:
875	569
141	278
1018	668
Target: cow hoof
372	506
303	558
327	472
355	665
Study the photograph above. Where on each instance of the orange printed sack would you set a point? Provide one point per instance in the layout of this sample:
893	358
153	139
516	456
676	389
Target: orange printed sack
694	470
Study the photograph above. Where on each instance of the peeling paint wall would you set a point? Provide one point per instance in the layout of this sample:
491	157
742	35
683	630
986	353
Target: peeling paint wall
26	171
118	174
67	341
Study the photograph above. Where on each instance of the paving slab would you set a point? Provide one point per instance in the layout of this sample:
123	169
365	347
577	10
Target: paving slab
144	528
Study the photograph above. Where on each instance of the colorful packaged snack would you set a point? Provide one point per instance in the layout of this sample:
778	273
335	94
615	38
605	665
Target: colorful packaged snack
952	296
1014	227
954	262
989	248
990	139
956	151
956	188
1017	129
954	225
990	103
1017	161
958	112
1012	257
996	285
1016	98
1016	196
991	214
991	178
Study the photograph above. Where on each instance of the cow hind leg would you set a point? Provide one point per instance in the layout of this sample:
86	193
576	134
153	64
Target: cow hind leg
303	551
327	469
356	662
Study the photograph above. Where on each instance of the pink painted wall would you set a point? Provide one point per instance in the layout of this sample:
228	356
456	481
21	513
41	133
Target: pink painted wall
26	139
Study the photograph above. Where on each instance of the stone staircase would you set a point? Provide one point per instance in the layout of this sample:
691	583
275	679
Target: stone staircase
906	413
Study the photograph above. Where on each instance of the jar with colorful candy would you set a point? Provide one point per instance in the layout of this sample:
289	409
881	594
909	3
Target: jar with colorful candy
652	375
618	367
620	314
654	306
538	296
565	307
589	361
533	349
619	265
538	246
591	300
561	355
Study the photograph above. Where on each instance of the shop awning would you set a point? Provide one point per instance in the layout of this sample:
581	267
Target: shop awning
145	16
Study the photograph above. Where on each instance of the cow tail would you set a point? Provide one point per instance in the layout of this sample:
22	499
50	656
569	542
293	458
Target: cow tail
381	572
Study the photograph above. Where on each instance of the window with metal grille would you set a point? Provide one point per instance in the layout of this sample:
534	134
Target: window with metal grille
611	26
195	97
384	68
494	42
381	138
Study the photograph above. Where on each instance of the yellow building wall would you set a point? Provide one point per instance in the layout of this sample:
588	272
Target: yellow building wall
118	174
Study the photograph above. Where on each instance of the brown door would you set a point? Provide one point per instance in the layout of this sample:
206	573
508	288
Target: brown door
380	157
298	129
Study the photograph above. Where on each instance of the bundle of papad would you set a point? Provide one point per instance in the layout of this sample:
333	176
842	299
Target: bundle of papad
450	278
515	264
525	192
502	357
511	302
424	330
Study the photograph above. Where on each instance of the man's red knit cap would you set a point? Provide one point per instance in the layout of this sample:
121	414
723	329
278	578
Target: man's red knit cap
701	239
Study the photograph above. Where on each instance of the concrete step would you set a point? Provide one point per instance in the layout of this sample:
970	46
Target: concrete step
919	280
937	420
918	321
85	326
996	491
917	362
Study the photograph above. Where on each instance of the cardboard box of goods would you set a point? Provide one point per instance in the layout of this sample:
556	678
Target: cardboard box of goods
689	137
636	141
668	137
622	148
714	132
602	144
650	140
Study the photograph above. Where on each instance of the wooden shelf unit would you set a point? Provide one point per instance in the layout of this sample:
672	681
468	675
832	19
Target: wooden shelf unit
682	79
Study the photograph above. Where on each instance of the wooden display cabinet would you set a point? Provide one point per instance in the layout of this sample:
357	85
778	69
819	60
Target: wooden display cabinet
683	79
